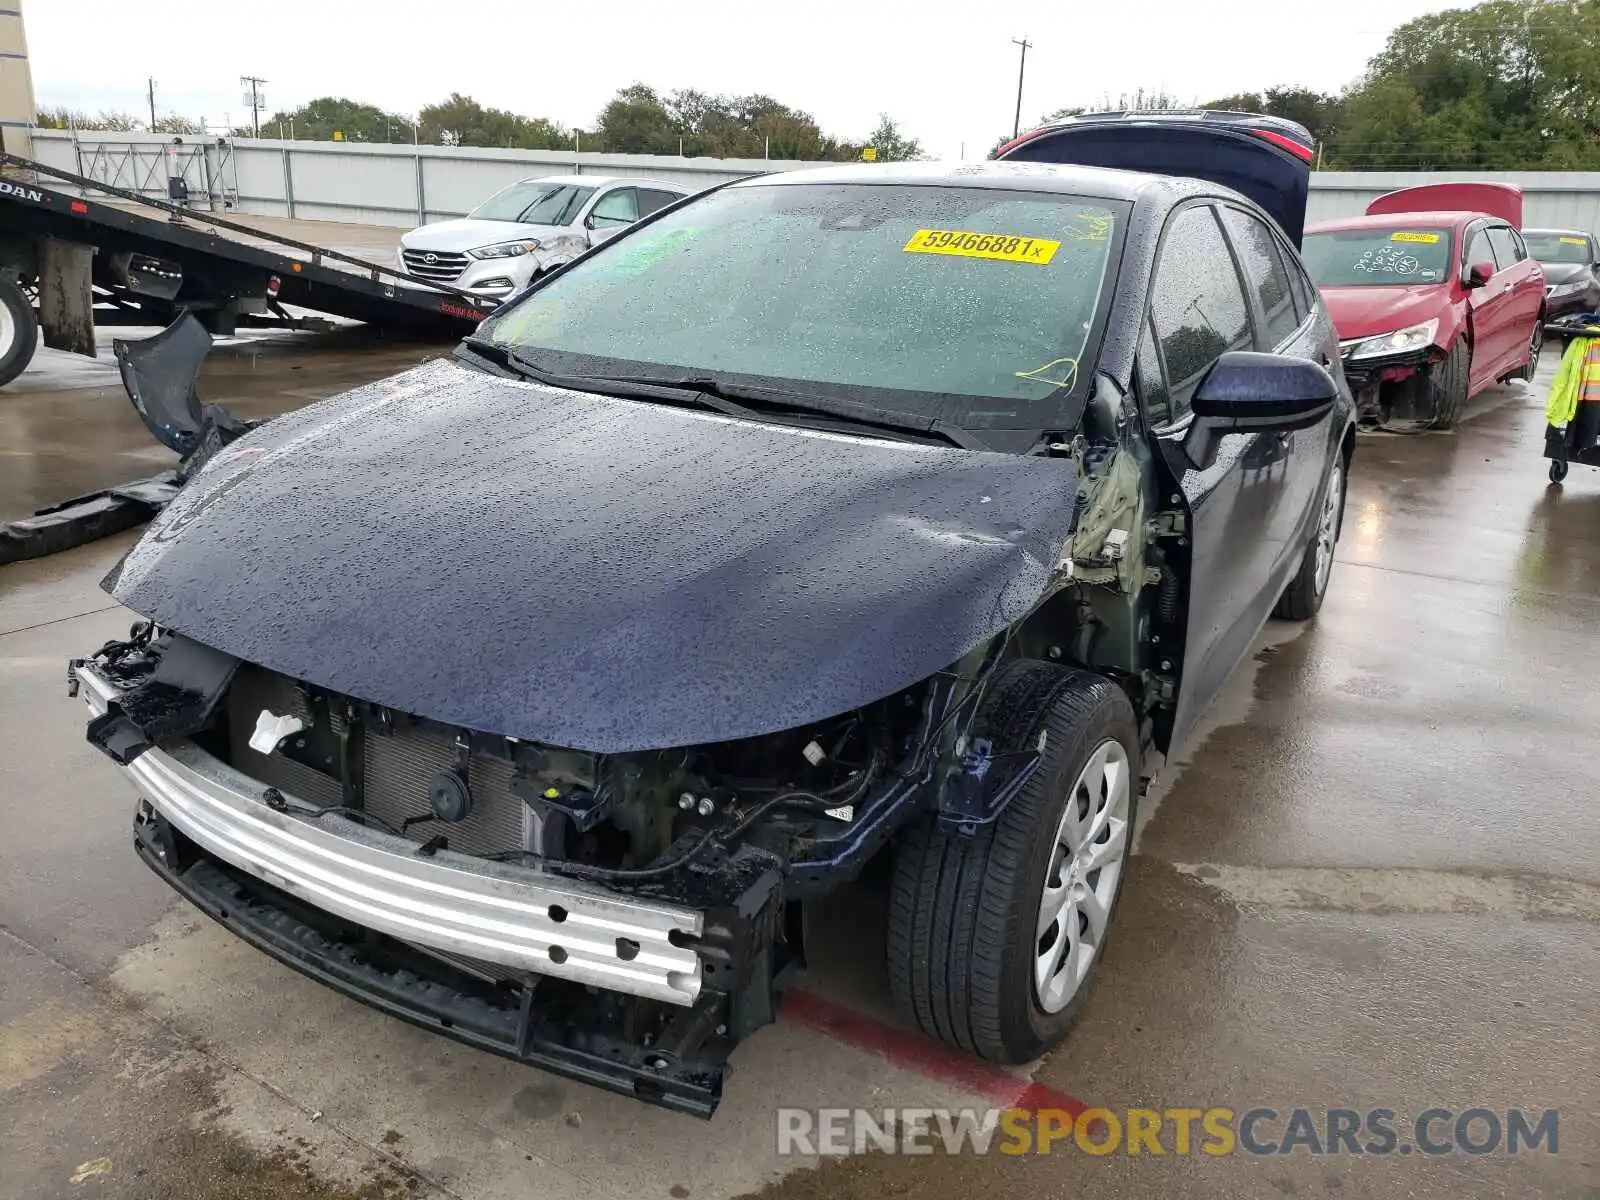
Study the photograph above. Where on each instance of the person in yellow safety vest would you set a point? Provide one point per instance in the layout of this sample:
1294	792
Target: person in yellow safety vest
1577	383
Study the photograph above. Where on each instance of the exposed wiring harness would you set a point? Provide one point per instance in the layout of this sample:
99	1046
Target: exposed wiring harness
849	792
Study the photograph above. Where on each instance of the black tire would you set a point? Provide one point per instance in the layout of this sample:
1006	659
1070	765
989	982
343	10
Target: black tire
1447	386
964	911
1302	599
1535	348
1558	470
19	331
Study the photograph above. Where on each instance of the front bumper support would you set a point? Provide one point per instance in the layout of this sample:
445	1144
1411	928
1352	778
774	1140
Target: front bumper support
499	913
519	1020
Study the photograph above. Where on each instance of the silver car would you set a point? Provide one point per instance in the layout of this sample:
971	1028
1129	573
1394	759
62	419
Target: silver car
532	226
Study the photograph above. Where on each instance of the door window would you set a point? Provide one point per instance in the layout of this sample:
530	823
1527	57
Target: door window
1151	384
1478	250
620	207
1197	304
1503	240
1264	273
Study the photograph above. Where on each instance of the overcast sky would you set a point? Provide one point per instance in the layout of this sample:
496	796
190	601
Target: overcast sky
947	72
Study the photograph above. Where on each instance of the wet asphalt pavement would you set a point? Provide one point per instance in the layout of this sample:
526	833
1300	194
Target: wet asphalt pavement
1374	882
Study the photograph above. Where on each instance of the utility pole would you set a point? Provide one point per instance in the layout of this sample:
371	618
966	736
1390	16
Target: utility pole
1016	125
152	89
253	99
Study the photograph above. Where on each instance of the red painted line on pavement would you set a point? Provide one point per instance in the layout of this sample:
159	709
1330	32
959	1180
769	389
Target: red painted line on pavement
923	1056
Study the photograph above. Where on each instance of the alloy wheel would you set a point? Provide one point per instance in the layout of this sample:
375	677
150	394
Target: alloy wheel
1328	526
1086	863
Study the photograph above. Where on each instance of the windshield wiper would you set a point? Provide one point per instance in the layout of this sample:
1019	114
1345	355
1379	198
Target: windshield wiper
750	402
626	388
784	402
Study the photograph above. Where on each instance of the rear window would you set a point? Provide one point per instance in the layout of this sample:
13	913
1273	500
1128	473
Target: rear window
1558	247
1399	254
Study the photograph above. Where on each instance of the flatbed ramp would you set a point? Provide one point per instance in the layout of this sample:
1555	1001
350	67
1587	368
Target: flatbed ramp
145	266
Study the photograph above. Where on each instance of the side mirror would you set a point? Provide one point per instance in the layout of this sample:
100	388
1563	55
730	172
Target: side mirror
1479	274
1247	392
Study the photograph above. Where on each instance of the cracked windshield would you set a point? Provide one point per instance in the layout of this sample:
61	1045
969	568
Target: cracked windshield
969	304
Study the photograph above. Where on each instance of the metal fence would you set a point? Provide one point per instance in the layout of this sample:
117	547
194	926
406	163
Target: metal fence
404	186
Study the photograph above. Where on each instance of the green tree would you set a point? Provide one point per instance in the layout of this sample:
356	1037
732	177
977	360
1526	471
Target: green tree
637	121
1322	114
461	121
173	123
320	119
1508	85
891	144
61	117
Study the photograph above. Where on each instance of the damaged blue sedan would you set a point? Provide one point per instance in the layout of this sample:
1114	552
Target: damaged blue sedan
908	510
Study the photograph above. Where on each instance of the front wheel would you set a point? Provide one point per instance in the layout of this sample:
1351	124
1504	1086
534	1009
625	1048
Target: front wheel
1448	385
19	331
994	937
1303	597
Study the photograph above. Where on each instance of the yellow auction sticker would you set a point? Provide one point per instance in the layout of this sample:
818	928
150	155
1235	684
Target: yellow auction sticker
982	245
1427	239
1576	241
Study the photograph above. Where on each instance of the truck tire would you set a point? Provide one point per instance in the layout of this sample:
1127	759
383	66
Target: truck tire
19	331
975	958
1448	384
1303	597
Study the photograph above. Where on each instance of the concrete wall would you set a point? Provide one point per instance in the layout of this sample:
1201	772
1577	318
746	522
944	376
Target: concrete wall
395	185
404	186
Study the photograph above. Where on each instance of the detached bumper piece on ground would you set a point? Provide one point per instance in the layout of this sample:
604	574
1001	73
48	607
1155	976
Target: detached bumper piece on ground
160	375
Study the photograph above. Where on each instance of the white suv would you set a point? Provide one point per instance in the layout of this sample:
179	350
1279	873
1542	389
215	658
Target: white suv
529	227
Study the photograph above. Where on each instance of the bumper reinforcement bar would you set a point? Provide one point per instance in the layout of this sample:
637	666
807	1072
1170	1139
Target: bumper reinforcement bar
497	913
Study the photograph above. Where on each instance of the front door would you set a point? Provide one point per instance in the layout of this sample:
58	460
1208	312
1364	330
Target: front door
1198	312
1284	326
615	210
1491	306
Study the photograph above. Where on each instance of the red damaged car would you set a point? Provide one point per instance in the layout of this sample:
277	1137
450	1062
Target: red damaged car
1435	297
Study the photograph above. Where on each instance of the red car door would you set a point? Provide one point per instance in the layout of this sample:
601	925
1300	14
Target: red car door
1491	305
1526	279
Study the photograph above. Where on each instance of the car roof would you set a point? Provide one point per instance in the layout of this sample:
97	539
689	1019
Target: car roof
606	181
1391	220
1100	182
1583	233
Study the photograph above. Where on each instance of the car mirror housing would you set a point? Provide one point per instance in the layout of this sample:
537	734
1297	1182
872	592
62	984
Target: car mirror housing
1249	392
1478	274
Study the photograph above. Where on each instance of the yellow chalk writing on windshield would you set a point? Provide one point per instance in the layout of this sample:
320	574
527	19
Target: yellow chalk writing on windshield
1426	239
1058	372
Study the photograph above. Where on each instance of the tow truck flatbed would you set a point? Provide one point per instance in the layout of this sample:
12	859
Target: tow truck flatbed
147	268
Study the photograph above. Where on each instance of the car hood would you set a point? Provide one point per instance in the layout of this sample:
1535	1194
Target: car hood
590	572
1555	273
465	233
1364	311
